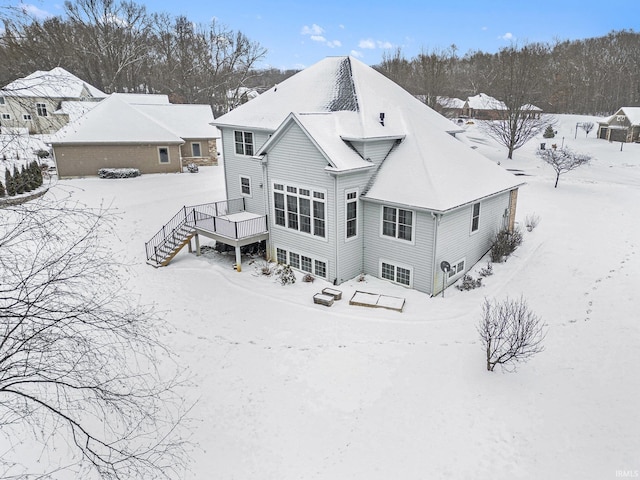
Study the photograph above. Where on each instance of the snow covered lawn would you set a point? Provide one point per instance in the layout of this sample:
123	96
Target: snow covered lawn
287	389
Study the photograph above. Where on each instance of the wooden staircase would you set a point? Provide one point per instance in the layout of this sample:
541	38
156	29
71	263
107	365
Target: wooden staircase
166	244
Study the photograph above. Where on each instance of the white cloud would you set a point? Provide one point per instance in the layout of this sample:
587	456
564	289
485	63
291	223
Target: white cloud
367	43
312	30
334	43
34	11
370	44
356	53
484	29
318	38
506	36
341	26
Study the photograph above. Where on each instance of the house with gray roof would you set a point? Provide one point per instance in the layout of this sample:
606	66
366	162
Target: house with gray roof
138	131
343	172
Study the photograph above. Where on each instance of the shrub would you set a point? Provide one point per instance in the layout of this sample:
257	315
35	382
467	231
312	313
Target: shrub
10	183
264	268
308	278
505	243
487	271
531	221
285	275
548	132
3	192
469	283
118	172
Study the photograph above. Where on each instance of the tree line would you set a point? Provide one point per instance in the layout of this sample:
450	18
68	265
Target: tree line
119	46
591	76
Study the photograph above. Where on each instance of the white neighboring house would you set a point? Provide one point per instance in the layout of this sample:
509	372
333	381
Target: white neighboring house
136	131
483	107
35	102
344	172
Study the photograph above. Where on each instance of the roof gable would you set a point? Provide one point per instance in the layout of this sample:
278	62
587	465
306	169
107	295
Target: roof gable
55	83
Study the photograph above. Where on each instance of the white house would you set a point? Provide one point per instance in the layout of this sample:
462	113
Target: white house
35	101
344	172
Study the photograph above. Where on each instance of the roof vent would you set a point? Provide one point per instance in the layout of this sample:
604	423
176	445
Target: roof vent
382	118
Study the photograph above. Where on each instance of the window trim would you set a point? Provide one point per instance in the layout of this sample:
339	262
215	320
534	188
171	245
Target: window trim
395	266
242	193
314	260
27	117
160	156
193	153
5	116
475	218
412	241
453	278
244	143
348	201
314	196
41	112
2	100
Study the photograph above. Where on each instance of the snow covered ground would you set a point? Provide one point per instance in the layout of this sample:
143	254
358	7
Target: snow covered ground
287	389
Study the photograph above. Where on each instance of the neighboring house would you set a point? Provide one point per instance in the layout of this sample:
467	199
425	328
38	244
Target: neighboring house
531	111
483	107
136	131
343	172
622	126
450	107
35	101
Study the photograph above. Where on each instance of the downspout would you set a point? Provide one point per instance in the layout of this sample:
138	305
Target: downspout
267	204
436	220
335	222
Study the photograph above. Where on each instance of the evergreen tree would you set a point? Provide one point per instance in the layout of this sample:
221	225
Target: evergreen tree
3	192
549	133
18	179
10	182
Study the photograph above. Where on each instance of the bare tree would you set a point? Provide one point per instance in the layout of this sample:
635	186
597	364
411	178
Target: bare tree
520	74
431	71
80	360
563	160
587	127
510	332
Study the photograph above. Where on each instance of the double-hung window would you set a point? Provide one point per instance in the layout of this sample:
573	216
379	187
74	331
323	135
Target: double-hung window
351	214
300	209
475	217
244	142
245	186
41	109
397	223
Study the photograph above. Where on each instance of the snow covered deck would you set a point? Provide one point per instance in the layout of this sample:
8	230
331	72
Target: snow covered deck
234	227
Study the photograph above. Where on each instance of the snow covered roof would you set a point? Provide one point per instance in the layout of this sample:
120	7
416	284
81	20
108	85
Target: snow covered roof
340	99
482	101
331	85
74	108
530	108
143	98
632	114
114	121
450	102
55	83
185	120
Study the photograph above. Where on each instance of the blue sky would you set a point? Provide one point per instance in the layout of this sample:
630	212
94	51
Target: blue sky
299	33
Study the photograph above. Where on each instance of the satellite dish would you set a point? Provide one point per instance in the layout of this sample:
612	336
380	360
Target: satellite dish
445	266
